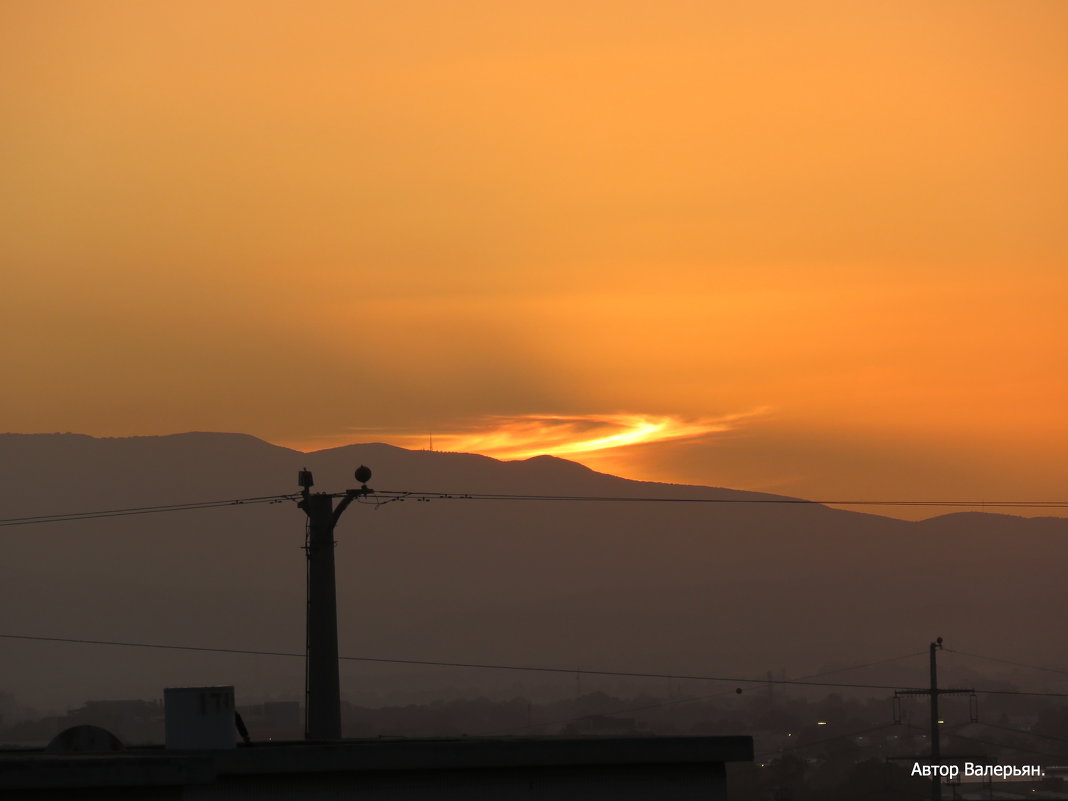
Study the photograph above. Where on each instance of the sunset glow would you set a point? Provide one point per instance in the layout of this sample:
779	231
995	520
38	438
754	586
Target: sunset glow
596	230
578	437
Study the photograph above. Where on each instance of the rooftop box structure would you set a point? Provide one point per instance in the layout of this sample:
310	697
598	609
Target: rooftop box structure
199	718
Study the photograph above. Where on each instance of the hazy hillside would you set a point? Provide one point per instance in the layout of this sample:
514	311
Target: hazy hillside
710	589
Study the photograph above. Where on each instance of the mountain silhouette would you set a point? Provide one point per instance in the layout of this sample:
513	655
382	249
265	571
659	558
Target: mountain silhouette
711	589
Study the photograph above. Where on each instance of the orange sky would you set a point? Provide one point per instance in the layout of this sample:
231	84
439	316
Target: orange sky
821	245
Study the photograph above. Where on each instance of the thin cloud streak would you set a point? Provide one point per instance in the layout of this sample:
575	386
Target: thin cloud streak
526	436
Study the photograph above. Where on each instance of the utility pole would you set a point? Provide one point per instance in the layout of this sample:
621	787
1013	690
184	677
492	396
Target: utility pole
934	692
322	684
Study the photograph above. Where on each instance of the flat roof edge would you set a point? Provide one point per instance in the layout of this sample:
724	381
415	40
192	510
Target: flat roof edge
156	766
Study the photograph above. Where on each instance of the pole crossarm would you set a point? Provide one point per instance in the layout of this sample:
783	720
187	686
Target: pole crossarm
348	497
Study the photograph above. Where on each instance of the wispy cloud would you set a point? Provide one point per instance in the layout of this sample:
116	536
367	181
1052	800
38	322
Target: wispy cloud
524	436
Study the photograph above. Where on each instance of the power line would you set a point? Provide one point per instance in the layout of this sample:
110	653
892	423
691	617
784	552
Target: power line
380	498
683	701
163	646
142	510
485	666
441	663
398	495
1010	662
1022	692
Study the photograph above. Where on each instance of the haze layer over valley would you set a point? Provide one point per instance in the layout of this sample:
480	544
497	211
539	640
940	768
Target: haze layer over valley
733	589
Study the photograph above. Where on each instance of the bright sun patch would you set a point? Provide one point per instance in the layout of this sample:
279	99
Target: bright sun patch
524	436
